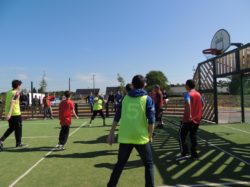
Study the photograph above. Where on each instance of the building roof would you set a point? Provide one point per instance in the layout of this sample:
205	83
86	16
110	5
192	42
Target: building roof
112	89
86	91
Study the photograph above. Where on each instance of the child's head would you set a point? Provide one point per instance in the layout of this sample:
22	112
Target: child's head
97	94
129	87
190	84
157	88
67	94
138	82
16	84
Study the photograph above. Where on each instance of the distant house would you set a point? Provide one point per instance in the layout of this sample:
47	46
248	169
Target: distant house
83	93
112	89
178	90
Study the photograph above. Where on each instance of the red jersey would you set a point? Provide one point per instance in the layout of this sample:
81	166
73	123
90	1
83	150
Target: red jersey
196	104
65	112
47	101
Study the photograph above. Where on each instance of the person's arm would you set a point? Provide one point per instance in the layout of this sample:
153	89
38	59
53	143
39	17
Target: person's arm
73	110
8	115
150	113
151	128
188	103
111	137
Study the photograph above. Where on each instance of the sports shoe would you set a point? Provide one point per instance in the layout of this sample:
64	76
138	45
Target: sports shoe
61	147
21	145
1	146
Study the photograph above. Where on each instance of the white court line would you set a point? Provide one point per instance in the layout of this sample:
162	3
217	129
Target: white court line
210	184
39	161
224	151
235	129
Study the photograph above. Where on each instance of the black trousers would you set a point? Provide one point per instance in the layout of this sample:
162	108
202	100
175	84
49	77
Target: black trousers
190	128
64	134
15	124
123	156
95	112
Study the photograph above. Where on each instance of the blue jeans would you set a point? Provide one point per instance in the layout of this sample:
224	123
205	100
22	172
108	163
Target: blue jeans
123	156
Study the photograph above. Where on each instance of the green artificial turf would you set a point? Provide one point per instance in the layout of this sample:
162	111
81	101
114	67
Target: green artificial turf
88	160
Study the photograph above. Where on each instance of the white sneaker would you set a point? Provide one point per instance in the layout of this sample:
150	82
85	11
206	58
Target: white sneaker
61	147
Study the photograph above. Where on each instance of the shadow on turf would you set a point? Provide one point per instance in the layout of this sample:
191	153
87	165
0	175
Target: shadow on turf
84	155
28	149
129	165
102	139
213	166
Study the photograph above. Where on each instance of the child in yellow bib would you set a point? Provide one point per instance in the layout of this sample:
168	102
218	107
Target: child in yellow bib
97	108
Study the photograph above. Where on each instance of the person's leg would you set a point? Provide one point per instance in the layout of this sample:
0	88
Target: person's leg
51	113
182	139
147	158
193	138
45	110
61	135
123	156
93	116
107	110
103	117
66	134
18	130
8	131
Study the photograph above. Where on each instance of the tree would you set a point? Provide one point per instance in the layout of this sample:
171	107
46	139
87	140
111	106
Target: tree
121	81
156	77
43	84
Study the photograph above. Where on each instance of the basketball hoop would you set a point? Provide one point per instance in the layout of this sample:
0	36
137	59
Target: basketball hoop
219	44
210	53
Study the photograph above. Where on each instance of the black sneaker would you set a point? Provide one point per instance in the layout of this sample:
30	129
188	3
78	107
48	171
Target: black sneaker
21	145
1	146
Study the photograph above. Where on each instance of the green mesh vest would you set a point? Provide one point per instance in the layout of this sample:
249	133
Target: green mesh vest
133	123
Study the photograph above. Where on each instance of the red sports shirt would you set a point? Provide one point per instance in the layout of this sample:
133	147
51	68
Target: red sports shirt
65	112
194	98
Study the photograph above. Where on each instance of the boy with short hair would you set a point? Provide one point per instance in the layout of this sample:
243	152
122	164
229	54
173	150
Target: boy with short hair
136	117
66	108
13	114
191	119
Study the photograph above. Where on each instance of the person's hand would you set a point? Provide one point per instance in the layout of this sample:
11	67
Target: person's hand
7	117
150	139
77	117
190	117
111	138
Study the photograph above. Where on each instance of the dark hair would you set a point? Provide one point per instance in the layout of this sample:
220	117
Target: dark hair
157	86
97	93
138	82
67	94
190	83
129	87
16	83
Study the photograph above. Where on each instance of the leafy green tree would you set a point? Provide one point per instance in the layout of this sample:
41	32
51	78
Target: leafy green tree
157	77
43	84
121	81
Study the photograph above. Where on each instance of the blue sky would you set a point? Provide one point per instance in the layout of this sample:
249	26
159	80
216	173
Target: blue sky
78	38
